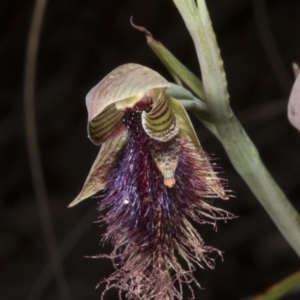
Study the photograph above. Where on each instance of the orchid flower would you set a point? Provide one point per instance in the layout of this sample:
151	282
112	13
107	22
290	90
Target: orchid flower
154	179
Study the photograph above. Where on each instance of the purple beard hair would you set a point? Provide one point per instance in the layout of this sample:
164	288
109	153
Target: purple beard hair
149	223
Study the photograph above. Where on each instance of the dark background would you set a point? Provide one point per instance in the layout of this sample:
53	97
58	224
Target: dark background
81	42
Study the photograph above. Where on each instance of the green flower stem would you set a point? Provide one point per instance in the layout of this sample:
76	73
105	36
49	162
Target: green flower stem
241	151
281	288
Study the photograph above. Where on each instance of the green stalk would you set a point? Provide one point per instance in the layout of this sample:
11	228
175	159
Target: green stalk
240	149
281	288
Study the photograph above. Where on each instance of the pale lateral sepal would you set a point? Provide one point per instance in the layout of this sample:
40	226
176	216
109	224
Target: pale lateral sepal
97	178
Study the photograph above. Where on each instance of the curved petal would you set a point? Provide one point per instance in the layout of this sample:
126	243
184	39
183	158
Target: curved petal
160	123
106	125
96	180
123	83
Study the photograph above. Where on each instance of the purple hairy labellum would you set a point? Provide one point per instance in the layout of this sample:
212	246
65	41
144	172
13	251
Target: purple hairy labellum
155	179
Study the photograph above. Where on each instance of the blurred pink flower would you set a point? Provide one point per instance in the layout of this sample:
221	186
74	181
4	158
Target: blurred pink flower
294	101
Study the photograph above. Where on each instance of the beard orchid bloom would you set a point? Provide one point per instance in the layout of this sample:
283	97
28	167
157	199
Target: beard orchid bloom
154	179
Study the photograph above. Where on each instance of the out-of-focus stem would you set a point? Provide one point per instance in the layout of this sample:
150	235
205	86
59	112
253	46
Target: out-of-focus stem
33	149
278	290
240	149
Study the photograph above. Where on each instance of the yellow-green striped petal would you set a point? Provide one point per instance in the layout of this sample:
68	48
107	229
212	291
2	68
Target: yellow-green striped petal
160	123
120	89
106	125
